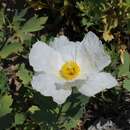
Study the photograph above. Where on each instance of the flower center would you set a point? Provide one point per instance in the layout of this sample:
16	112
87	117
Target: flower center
70	70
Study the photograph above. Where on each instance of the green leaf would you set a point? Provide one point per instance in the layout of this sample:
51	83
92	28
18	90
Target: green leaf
70	123
2	18
124	68
1	35
128	25
128	2
86	23
33	109
6	121
34	24
73	110
12	48
24	74
19	118
18	17
5	103
126	84
22	13
3	82
43	115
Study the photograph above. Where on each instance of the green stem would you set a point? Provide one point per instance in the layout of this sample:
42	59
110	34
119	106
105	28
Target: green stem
59	113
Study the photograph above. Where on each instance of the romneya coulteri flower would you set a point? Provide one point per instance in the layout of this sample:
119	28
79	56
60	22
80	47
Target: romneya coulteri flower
65	64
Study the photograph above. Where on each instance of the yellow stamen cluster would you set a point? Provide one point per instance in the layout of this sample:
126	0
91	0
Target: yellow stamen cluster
70	70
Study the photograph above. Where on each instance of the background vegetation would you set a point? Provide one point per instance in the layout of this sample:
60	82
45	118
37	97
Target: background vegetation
24	22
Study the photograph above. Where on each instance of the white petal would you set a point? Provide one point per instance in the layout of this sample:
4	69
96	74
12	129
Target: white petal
61	95
46	85
44	58
96	51
59	42
69	52
70	84
98	82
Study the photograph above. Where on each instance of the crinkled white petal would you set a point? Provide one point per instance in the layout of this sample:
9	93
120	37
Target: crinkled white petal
44	58
70	52
61	95
46	85
97	82
59	42
96	51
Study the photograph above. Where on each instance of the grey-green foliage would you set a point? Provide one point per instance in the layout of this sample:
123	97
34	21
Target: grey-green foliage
17	34
21	28
91	15
32	24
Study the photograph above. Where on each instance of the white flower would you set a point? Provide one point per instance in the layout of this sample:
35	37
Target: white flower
65	64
